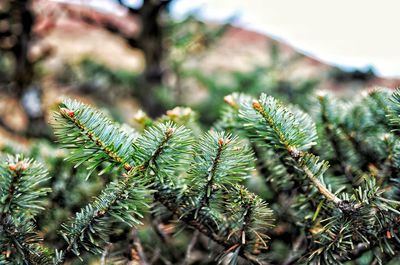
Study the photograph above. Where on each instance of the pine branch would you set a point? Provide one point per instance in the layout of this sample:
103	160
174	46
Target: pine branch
369	221
153	152
380	102
123	201
314	170
21	189
209	186
20	244
158	157
273	166
93	137
209	229
291	132
361	124
251	219
394	111
138	247
285	129
330	133
358	220
21	198
221	161
161	150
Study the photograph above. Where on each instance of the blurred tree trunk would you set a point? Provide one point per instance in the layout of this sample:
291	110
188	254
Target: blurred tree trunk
22	17
16	37
150	40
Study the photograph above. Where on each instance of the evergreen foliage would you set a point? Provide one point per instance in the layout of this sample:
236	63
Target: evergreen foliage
21	186
331	178
157	157
22	192
360	214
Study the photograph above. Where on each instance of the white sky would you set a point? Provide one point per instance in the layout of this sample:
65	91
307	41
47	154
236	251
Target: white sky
348	33
351	33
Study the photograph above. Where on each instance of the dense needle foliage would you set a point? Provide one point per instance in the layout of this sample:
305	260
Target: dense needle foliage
330	177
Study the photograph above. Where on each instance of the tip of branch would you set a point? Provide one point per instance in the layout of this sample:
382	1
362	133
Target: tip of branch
256	105
179	112
140	116
386	137
20	166
294	152
229	100
12	167
321	94
24	166
67	112
371	91
170	131
127	167
221	141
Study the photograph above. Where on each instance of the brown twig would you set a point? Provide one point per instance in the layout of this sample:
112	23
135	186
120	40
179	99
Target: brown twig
294	254
321	187
155	256
103	260
139	248
190	247
203	228
155	223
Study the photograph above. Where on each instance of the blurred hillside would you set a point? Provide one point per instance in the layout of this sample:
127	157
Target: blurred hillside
72	34
73	39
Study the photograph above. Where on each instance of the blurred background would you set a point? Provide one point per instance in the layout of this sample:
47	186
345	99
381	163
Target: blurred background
154	55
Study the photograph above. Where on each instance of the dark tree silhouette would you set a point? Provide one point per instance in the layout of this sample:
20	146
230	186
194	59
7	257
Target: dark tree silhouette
17	36
149	39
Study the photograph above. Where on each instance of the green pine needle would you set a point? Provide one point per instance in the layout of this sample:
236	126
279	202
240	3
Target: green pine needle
21	186
92	137
278	126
